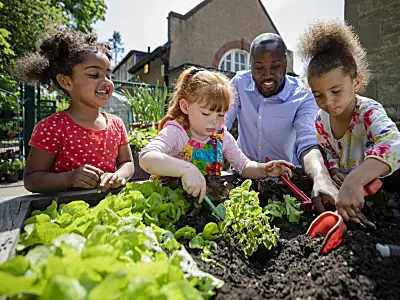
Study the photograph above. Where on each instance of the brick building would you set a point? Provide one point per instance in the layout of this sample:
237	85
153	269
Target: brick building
215	34
378	24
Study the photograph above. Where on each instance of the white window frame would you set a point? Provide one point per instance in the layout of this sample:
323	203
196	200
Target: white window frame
230	58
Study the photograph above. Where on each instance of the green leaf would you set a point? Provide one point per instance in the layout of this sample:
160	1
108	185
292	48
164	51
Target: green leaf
197	242
16	266
11	285
111	285
209	231
186	232
63	288
293	211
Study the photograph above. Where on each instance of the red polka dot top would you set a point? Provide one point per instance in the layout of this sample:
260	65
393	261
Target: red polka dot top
75	145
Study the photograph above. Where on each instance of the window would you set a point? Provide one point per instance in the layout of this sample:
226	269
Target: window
235	60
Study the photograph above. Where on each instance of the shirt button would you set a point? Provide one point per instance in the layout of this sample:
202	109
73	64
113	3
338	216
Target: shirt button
259	117
265	100
259	147
260	132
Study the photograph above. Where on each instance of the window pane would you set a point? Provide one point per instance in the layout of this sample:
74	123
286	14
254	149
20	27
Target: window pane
228	66
222	67
228	57
242	67
236	57
242	59
237	67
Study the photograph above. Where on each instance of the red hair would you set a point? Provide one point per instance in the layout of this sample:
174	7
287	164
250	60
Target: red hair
209	88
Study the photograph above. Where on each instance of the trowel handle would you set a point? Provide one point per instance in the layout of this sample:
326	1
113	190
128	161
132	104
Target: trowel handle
372	187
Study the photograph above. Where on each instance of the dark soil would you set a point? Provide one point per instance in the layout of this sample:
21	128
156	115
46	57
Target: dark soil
296	270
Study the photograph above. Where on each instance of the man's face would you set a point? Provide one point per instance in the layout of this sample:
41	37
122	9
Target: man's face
268	68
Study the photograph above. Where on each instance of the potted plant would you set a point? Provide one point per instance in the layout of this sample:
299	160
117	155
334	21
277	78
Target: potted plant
3	170
147	107
18	165
12	171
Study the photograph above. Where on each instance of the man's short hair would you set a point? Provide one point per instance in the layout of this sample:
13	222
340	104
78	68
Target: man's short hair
264	39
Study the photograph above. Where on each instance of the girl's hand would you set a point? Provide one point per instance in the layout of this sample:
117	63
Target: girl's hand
350	199
111	181
86	177
277	168
194	183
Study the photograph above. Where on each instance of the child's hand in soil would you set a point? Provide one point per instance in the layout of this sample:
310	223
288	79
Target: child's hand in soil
277	168
194	183
350	201
111	181
337	177
86	177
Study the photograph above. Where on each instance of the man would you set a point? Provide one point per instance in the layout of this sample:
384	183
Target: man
276	115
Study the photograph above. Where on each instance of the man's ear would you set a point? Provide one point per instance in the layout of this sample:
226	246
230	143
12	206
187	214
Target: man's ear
358	81
183	104
64	81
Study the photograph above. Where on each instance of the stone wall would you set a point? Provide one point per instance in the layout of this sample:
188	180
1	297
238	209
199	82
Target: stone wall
378	24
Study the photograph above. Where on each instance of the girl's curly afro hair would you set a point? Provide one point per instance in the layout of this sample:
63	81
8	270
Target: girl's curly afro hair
328	45
59	51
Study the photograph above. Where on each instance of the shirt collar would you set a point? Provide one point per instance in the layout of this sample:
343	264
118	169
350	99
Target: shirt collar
283	95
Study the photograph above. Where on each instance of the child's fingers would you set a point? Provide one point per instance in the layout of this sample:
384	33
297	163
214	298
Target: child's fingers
82	184
202	193
113	178
98	171
105	178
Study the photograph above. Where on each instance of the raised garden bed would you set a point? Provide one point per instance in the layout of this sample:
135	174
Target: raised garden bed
292	270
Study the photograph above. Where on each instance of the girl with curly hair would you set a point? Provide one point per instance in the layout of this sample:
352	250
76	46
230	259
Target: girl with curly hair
193	139
78	147
354	131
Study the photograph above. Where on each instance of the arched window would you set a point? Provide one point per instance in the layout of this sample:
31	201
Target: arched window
235	60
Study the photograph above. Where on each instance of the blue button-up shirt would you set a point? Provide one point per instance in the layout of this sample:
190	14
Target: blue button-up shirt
280	126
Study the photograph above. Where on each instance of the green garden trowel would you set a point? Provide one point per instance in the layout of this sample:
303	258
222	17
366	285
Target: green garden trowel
218	212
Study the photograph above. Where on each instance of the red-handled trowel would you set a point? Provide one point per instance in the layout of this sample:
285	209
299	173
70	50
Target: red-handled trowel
331	226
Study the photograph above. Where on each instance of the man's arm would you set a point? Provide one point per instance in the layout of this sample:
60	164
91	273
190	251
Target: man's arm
235	105
311	157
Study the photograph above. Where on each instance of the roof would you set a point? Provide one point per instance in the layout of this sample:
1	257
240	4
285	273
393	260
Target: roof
205	2
126	57
149	57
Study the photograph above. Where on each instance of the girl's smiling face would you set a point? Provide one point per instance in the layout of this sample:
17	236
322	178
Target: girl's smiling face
335	91
90	82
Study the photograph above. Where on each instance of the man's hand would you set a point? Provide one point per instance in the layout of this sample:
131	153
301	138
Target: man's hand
194	183
86	177
111	181
323	191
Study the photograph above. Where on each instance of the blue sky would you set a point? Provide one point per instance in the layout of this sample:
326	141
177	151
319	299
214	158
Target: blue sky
143	23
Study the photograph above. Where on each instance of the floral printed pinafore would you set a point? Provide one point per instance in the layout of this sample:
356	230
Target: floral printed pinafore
206	157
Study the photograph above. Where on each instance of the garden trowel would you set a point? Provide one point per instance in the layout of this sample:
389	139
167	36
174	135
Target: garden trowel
331	226
218	212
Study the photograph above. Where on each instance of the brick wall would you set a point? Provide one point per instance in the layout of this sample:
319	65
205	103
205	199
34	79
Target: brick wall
201	38
378	24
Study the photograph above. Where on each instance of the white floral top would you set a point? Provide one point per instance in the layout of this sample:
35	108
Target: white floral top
371	133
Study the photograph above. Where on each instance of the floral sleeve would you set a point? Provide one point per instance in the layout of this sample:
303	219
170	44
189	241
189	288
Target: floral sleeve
323	141
383	137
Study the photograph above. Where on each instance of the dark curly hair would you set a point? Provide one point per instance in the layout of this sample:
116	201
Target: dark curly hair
59	51
328	45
